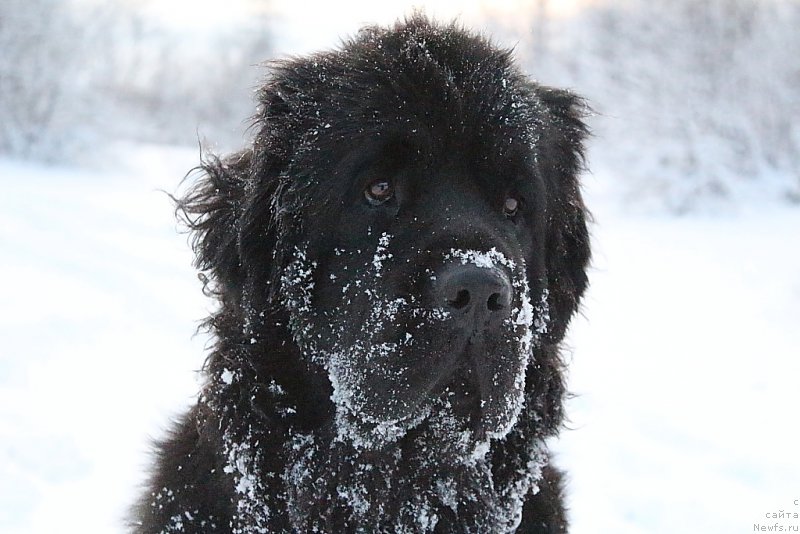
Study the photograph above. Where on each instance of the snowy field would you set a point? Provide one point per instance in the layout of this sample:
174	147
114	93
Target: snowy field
686	364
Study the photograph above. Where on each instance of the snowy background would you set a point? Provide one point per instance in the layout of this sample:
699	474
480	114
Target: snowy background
685	362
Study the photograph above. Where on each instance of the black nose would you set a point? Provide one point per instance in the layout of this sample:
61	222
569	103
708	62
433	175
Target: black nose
478	297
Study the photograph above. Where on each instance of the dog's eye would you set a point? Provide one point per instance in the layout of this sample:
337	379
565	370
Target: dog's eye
510	206
379	191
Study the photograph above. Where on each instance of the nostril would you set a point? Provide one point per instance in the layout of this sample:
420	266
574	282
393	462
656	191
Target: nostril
495	302
475	295
461	300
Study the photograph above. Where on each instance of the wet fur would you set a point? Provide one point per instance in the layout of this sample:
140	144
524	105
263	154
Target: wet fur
260	451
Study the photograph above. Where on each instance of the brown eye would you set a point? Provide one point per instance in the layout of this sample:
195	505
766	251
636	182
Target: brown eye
379	191
510	206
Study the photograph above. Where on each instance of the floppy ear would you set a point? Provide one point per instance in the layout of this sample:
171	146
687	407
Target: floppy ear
567	246
265	233
211	210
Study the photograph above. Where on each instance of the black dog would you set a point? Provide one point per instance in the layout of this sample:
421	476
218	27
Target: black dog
396	259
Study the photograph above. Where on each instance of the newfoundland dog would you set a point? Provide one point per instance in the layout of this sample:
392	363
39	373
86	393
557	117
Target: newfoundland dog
396	259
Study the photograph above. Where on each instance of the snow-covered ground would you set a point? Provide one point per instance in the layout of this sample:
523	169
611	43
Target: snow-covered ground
97	313
686	365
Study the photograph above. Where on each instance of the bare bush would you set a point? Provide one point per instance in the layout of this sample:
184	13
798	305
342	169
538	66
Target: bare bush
40	45
75	75
698	101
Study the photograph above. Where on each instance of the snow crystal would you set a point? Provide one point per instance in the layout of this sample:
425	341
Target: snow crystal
486	260
480	451
426	520
447	493
226	376
380	252
175	524
242	459
276	389
542	313
298	282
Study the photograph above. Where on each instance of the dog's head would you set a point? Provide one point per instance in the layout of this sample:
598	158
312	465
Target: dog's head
411	207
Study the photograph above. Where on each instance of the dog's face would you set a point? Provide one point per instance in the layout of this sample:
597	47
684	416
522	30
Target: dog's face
411	202
420	287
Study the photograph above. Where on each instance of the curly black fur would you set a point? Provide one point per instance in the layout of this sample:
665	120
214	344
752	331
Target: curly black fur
297	429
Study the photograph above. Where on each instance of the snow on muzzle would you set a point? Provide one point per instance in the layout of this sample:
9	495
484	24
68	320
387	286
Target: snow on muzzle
401	362
488	296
